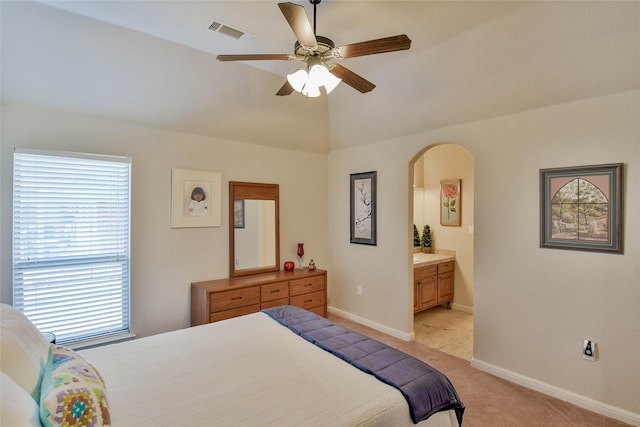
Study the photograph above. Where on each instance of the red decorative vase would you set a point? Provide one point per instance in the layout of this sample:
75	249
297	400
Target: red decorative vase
300	250
289	265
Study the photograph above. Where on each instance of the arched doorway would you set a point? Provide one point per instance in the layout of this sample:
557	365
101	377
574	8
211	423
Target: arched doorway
450	331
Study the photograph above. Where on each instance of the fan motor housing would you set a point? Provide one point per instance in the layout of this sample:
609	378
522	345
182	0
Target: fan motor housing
325	45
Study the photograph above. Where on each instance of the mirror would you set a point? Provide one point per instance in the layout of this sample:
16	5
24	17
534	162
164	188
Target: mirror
254	228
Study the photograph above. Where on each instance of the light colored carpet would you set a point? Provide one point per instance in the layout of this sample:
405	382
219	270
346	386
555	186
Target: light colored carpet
491	401
450	331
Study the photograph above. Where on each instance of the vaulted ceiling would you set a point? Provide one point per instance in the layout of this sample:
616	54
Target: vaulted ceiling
153	63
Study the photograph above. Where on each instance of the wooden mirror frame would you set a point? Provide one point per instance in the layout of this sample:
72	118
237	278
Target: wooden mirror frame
252	191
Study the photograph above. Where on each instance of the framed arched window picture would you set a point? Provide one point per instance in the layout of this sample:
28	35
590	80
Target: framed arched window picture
581	208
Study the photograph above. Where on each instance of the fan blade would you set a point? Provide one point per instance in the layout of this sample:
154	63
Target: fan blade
352	79
371	47
285	90
256	57
299	23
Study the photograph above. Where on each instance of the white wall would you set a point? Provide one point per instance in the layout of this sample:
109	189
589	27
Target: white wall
164	261
532	306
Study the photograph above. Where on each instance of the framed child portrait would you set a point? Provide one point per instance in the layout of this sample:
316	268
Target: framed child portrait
195	198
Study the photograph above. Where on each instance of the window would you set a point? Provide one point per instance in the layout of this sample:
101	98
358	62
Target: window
71	243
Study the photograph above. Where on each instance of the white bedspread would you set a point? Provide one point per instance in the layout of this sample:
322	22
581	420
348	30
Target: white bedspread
247	371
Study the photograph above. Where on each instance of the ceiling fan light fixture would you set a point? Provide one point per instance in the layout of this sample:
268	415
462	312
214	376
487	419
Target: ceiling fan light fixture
330	81
298	79
316	74
309	84
311	90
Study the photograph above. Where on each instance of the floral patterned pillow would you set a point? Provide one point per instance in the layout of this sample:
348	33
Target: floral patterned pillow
73	392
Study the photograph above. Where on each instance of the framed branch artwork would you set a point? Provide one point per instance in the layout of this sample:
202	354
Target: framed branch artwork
450	202
363	208
196	198
238	213
581	208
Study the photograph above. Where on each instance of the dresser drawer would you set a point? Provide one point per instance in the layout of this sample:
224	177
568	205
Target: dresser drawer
424	272
274	291
306	301
318	310
228	314
445	267
227	300
274	303
306	285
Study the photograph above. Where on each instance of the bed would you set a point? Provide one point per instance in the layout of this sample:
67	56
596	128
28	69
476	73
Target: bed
252	370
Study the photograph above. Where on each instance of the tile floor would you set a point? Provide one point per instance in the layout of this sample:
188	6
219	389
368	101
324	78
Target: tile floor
450	331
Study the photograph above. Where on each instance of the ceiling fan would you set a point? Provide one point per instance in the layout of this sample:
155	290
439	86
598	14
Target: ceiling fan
317	52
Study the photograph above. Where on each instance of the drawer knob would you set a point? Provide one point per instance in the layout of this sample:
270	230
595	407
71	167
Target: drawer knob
275	291
235	298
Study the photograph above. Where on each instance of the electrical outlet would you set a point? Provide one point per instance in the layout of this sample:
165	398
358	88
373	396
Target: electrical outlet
359	290
589	350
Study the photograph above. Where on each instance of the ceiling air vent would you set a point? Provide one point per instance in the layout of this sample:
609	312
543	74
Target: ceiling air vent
229	31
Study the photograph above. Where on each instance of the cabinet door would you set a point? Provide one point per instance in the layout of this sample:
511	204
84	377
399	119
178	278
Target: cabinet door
427	292
445	287
424	291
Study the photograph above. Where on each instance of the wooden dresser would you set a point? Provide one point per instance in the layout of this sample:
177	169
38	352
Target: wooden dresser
215	300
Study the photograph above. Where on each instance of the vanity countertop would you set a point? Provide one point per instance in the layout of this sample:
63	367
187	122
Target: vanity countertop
424	260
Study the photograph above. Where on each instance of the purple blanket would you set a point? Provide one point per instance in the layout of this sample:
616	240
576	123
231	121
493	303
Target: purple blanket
426	389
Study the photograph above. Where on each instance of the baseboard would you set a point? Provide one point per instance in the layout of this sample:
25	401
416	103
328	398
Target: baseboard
567	396
373	325
460	307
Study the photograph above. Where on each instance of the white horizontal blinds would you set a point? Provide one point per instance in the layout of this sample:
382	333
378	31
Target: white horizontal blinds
71	243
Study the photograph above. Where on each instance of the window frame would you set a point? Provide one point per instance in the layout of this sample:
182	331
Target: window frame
84	245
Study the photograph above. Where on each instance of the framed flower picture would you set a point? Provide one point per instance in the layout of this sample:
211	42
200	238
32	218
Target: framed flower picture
450	199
